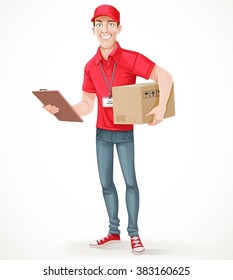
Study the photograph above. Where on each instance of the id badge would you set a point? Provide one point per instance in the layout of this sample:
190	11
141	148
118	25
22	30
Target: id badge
107	102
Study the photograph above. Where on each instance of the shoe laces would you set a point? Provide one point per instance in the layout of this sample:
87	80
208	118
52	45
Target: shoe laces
102	239
136	241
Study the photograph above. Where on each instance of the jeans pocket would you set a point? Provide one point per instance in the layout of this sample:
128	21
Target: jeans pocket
98	132
129	135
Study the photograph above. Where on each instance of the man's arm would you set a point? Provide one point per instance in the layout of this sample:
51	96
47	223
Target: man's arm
84	107
164	80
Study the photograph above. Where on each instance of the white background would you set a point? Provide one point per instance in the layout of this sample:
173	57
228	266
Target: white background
51	203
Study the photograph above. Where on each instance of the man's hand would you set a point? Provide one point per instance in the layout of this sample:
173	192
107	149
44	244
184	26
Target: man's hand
51	109
158	113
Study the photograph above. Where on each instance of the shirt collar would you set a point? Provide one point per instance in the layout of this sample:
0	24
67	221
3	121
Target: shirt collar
116	54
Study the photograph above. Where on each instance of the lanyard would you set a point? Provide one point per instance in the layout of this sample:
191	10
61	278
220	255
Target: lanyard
109	86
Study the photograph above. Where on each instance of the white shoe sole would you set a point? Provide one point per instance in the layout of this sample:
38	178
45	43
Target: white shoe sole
103	245
138	252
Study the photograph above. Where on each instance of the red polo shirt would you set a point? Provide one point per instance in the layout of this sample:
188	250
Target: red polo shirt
129	65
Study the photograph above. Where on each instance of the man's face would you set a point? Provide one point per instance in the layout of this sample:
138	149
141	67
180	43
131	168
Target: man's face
106	31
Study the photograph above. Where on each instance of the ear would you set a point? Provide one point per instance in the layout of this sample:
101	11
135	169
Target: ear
119	29
93	29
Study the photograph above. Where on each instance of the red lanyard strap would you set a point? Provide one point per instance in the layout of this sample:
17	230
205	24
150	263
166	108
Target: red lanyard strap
109	86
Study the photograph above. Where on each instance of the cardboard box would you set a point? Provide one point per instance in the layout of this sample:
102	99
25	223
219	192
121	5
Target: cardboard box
131	103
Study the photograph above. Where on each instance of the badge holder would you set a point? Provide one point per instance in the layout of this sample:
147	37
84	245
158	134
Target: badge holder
107	102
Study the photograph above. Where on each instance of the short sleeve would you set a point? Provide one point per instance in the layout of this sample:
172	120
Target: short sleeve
88	85
143	66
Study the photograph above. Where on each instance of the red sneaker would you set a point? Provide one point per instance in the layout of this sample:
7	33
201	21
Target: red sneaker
136	244
110	238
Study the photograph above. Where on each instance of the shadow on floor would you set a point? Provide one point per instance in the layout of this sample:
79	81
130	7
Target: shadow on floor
81	249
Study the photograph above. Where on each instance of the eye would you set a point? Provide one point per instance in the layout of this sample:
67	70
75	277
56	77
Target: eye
98	25
111	24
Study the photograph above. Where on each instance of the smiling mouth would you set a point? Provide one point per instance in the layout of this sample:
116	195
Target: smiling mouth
104	36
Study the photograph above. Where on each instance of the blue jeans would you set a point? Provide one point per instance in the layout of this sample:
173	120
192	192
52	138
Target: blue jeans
124	141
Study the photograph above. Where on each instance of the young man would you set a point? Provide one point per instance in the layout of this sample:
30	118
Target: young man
114	66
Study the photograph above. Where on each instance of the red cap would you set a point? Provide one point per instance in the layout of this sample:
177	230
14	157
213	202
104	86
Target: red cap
107	10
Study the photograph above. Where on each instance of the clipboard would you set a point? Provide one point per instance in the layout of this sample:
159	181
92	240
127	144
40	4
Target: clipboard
55	98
